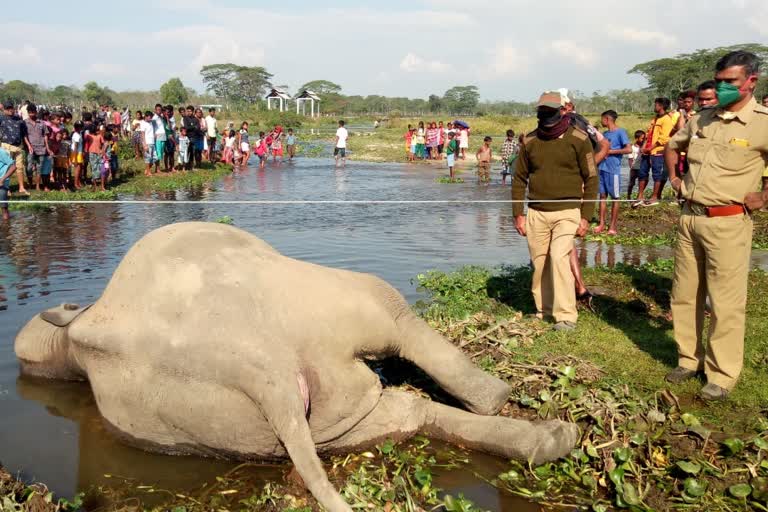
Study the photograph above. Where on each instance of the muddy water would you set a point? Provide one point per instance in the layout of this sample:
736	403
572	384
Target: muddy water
52	432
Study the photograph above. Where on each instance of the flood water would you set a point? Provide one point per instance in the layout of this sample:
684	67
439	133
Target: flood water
51	431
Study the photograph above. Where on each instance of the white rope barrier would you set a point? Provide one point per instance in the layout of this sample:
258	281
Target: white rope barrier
315	202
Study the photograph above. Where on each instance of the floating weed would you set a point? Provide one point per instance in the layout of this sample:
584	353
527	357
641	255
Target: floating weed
449	180
226	219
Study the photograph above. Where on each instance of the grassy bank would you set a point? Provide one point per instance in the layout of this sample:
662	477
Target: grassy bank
657	226
131	181
645	445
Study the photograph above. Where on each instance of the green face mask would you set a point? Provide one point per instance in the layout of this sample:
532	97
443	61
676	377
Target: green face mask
727	94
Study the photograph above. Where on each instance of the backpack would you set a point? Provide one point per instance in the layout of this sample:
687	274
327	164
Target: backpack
12	130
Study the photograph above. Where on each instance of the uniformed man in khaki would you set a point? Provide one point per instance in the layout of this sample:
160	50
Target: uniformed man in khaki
557	168
727	151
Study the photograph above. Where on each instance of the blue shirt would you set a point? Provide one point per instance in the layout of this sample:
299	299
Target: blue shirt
618	139
5	162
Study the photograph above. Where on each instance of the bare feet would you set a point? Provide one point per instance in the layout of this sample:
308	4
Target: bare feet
612	232
598	229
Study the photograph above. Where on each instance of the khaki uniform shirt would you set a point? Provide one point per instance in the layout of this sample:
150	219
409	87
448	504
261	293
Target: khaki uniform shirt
727	154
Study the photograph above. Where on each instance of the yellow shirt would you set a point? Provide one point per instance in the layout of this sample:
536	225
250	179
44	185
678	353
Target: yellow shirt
727	154
661	129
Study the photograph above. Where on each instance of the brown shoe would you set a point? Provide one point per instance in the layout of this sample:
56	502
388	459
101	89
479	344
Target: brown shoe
680	374
712	392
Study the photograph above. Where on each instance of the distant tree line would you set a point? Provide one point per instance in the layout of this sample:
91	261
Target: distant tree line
244	88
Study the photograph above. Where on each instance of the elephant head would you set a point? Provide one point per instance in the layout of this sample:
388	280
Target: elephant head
43	345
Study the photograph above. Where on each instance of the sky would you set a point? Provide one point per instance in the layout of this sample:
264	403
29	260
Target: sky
510	49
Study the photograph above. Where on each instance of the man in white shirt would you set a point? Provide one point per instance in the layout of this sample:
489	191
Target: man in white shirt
210	122
150	153
340	151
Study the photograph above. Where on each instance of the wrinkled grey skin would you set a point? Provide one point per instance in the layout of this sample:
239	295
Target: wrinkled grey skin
208	341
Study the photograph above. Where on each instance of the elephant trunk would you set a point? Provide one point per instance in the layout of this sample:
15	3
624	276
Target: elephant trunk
479	391
43	350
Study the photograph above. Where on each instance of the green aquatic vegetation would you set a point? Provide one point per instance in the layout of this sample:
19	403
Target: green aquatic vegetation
448	179
645	445
57	196
226	219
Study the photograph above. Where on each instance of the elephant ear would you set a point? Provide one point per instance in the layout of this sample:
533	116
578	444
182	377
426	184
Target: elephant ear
62	316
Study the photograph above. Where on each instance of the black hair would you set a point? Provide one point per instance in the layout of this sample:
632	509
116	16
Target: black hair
140	113
108	136
610	113
487	139
290	130
510	133
87	116
664	102
341	123
639	133
231	133
168	108
211	110
158	105
147	113
739	58
78	125
32	108
690	93
704	86
190	107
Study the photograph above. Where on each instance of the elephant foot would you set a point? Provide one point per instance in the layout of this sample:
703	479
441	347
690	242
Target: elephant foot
555	439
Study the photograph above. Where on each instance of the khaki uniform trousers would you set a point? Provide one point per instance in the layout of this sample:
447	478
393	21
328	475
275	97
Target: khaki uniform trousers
550	241
711	258
18	155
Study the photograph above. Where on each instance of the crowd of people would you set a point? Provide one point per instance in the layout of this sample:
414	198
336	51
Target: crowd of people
183	144
46	150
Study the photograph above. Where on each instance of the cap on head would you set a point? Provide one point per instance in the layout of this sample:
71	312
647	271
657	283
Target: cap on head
550	100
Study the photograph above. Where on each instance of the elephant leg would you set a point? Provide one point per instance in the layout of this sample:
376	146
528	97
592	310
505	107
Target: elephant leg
479	391
400	415
282	403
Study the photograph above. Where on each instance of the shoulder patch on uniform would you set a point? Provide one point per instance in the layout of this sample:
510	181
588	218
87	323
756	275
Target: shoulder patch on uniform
580	134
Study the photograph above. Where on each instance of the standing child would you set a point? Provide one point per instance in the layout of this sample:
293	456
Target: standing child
96	143
61	160
290	143
243	143
484	156
114	163
451	149
228	155
102	172
421	138
464	142
509	151
409	144
183	145
76	153
262	150
277	148
634	160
